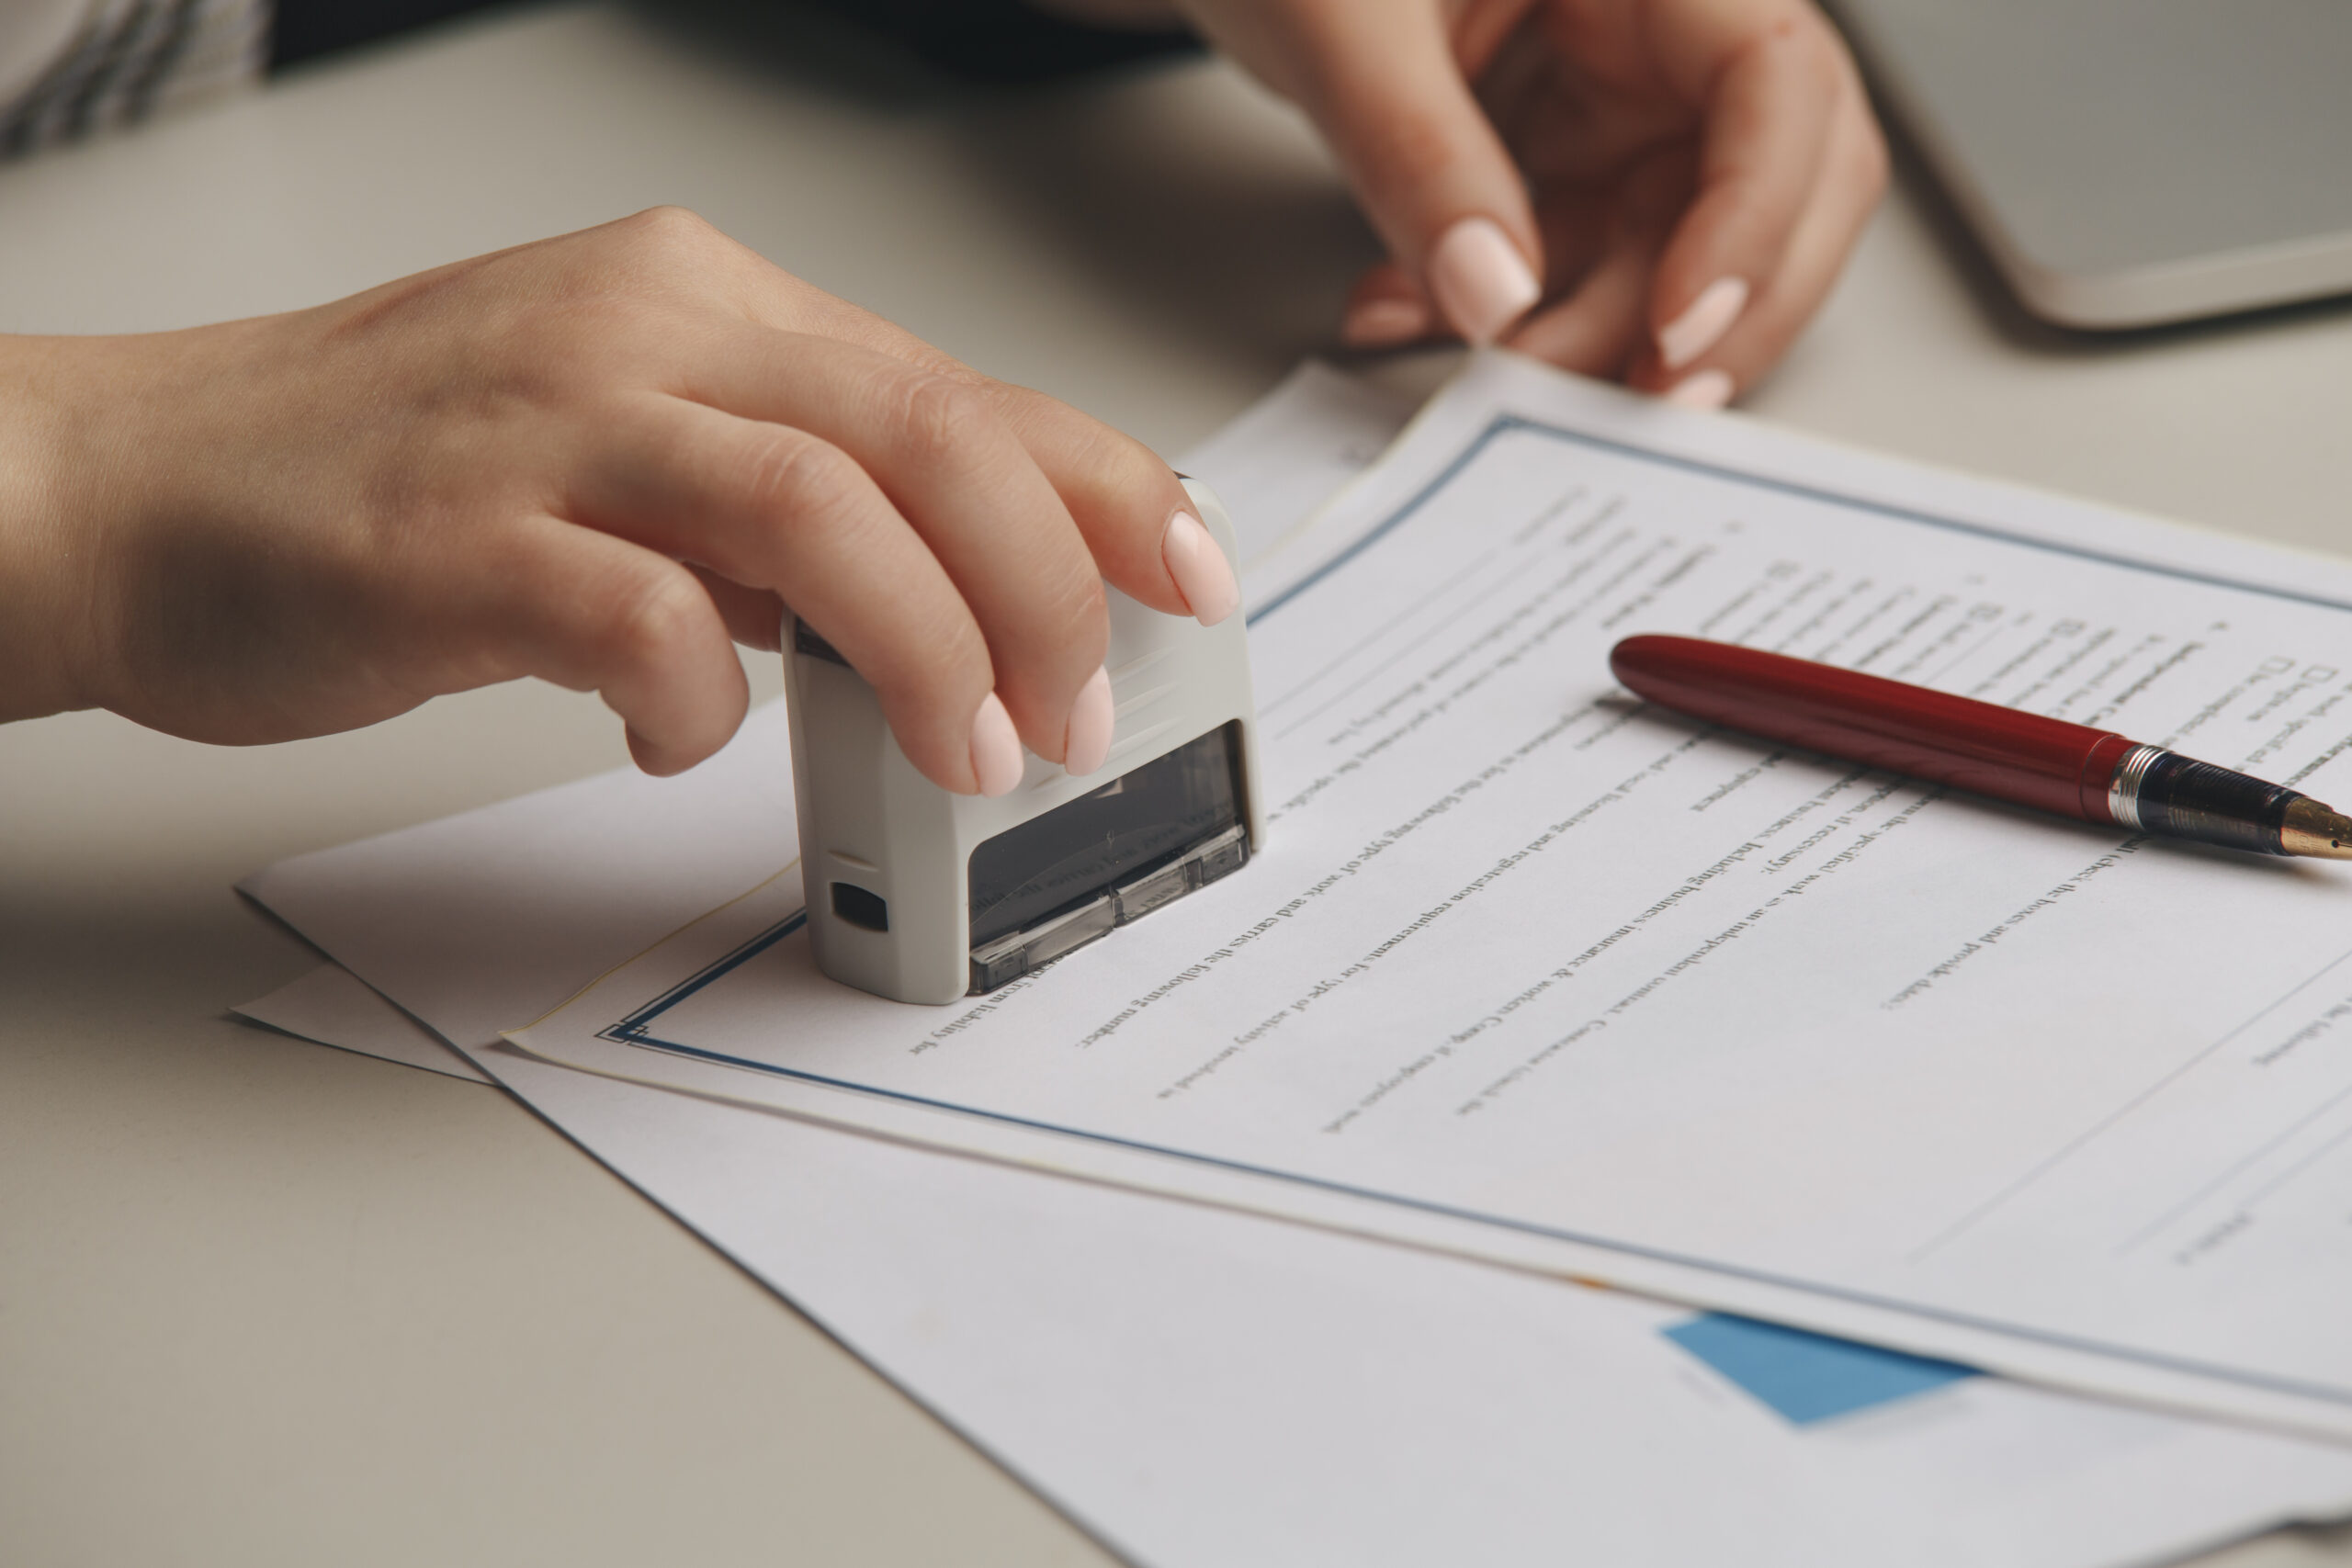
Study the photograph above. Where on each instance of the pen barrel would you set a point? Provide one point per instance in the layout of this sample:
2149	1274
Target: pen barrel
2046	764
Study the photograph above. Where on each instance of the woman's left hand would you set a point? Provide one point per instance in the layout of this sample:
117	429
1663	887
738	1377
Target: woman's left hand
1661	191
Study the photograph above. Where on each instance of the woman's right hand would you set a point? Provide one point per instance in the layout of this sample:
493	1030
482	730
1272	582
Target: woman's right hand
589	459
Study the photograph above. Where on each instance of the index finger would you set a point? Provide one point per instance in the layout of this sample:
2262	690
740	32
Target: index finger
1134	515
1769	91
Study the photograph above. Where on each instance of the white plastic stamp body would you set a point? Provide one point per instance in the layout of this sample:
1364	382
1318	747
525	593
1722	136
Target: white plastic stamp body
922	896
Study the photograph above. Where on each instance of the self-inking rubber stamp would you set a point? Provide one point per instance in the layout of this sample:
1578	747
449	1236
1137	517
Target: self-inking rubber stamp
924	896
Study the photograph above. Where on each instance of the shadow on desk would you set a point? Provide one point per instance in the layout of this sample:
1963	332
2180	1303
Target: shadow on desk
1254	253
110	958
1195	200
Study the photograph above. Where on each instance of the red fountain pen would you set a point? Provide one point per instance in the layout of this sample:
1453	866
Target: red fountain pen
2094	775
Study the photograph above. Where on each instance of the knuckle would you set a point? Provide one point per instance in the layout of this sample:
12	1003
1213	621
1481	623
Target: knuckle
1800	48
667	253
940	419
671	228
1117	457
952	654
797	476
654	614
1078	617
940	661
1411	149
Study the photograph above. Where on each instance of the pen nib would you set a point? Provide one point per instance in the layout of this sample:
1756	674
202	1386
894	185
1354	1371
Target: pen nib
2311	829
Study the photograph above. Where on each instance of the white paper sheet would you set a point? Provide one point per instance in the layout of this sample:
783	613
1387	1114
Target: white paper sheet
332	1007
1203	1388
1278	464
1200	1388
1533	974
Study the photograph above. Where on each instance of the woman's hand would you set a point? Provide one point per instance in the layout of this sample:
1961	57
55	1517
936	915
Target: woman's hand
1659	190
589	459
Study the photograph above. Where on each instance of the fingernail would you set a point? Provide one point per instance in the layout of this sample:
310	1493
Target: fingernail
1381	323
995	747
1703	324
1481	281
1203	574
1707	390
1087	741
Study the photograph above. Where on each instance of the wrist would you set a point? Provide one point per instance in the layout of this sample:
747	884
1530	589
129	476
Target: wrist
49	557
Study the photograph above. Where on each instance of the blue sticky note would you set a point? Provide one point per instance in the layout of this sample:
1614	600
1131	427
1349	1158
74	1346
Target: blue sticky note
1807	1377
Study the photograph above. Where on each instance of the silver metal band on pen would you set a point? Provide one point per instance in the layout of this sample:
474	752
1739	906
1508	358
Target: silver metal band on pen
2124	791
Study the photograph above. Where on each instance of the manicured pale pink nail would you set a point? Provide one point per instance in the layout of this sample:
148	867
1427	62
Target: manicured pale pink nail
1382	324
995	747
1203	574
1706	390
1702	323
1087	741
1481	281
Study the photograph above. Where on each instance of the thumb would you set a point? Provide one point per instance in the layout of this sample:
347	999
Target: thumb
1434	176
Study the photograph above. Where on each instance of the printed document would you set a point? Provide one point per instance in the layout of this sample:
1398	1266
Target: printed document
1531	971
1130	1355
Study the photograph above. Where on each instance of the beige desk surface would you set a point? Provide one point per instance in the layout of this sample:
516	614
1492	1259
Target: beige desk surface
266	1303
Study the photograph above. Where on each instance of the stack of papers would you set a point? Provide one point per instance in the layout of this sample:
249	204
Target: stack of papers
1245	1236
